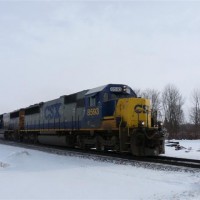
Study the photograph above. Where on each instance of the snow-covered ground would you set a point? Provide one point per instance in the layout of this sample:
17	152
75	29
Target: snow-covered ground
189	149
30	174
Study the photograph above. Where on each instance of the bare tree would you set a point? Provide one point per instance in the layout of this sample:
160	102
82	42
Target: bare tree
195	111
137	92
172	105
154	96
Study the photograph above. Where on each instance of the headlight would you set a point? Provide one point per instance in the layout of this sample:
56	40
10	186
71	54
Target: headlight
141	124
160	126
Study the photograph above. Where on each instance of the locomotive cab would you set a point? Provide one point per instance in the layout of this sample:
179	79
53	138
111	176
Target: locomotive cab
100	103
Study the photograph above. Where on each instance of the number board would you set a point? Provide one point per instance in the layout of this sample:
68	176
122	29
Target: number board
116	89
92	111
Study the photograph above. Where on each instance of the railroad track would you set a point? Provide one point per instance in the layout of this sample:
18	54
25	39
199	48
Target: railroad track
183	162
159	162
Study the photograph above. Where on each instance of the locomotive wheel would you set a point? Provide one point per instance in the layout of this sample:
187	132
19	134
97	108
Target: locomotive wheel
115	143
99	144
80	142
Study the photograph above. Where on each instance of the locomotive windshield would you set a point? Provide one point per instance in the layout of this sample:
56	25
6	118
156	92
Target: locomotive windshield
117	92
118	95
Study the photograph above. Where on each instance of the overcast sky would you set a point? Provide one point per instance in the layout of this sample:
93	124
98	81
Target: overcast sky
52	48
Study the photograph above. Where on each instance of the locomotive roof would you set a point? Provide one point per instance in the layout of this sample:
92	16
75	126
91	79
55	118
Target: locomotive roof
100	89
95	90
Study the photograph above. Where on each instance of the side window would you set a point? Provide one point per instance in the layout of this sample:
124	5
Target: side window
92	101
113	96
105	97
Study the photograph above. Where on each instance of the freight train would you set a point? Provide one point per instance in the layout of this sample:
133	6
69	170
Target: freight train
110	117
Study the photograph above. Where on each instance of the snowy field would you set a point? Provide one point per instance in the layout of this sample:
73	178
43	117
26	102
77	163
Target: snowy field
190	149
30	174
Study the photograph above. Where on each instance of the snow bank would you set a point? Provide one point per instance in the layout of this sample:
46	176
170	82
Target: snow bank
191	149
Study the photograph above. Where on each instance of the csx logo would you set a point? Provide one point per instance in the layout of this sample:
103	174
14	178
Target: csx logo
139	108
52	111
93	111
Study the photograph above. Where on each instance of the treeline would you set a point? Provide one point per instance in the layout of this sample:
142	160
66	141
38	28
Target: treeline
169	107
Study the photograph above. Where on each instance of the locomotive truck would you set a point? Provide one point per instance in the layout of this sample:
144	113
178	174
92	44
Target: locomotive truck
110	117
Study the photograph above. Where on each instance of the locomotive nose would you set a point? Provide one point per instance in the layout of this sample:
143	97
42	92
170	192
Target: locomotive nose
134	112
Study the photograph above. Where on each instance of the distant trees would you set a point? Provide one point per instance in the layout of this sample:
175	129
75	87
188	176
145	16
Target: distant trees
195	111
154	96
169	106
172	102
137	92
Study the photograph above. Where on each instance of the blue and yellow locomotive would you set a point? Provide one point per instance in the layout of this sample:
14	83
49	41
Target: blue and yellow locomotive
110	117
